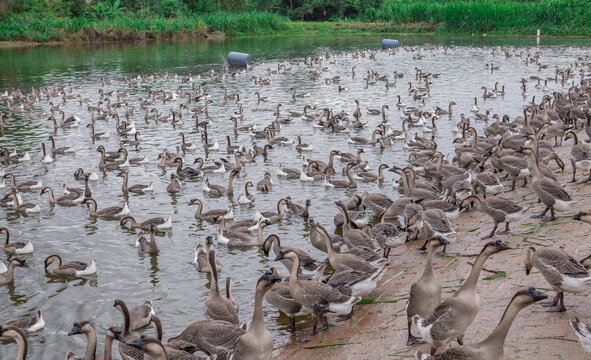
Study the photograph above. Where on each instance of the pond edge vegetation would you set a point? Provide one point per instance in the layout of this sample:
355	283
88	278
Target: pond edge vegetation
553	17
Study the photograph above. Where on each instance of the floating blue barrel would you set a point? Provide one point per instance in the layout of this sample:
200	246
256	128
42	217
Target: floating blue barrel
239	59
388	43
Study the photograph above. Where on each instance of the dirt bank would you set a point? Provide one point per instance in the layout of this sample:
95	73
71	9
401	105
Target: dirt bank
378	330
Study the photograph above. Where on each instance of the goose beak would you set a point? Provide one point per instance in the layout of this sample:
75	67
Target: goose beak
502	246
75	330
537	295
279	257
265	251
136	343
577	216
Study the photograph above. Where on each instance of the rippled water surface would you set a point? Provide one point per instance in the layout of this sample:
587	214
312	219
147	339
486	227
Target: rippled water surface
168	279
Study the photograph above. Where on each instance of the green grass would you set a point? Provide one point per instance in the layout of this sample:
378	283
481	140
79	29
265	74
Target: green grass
553	17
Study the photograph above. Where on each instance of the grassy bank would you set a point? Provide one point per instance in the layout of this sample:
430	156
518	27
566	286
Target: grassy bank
553	17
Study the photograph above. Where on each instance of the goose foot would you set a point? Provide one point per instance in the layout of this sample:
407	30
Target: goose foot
292	324
413	340
557	309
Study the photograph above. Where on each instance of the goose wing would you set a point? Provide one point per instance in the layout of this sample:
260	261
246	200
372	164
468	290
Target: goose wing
210	335
280	297
76	265
562	262
110	211
319	295
504	205
437	220
581	152
444	318
23	323
460	352
553	188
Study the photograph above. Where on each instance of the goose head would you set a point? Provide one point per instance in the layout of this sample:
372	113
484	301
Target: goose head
82	327
268	279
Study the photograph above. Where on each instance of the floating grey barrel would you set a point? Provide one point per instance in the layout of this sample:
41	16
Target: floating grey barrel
388	43
239	59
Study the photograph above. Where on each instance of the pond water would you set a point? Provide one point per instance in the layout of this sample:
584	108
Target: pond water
168	279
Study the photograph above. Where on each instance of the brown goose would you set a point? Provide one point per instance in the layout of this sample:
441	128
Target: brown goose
161	223
274	216
202	255
9	278
319	299
113	211
24	186
16	248
65	200
175	185
501	210
562	271
218	307
214	213
28	324
298	210
280	298
19	337
353	237
266	184
350	183
425	294
257	342
308	266
145	245
152	347
580	155
550	192
72	268
455	314
187	171
84	328
127	352
26	208
218	190
491	348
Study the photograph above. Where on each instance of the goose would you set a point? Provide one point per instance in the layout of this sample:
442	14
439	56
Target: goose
562	271
498	208
358	217
113	211
19	337
488	183
84	328
400	103
369	176
454	314
30	185
97	135
377	202
200	214
425	293
247	197
218	190
513	165
216	306
362	140
188	172
9	278
298	210
580	155
46	158
201	256
279	297
317	239
134	142
175	185
16	248
353	237
237	238
412	191
72	268
475	108
213	337
257	342
147	246
289	173
550	192
137	188
61	150
356	273
65	200
160	222
141	315
320	299
26	208
152	347
219	167
134	161
309	268
79	175
583	333
103	165
185	145
266	184
126	351
491	348
350	183
434	223
387	235
303	147
28	324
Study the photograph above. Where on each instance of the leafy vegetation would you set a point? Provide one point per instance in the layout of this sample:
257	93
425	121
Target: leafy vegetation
45	20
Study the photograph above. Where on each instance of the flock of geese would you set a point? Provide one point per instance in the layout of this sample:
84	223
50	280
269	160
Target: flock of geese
435	190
